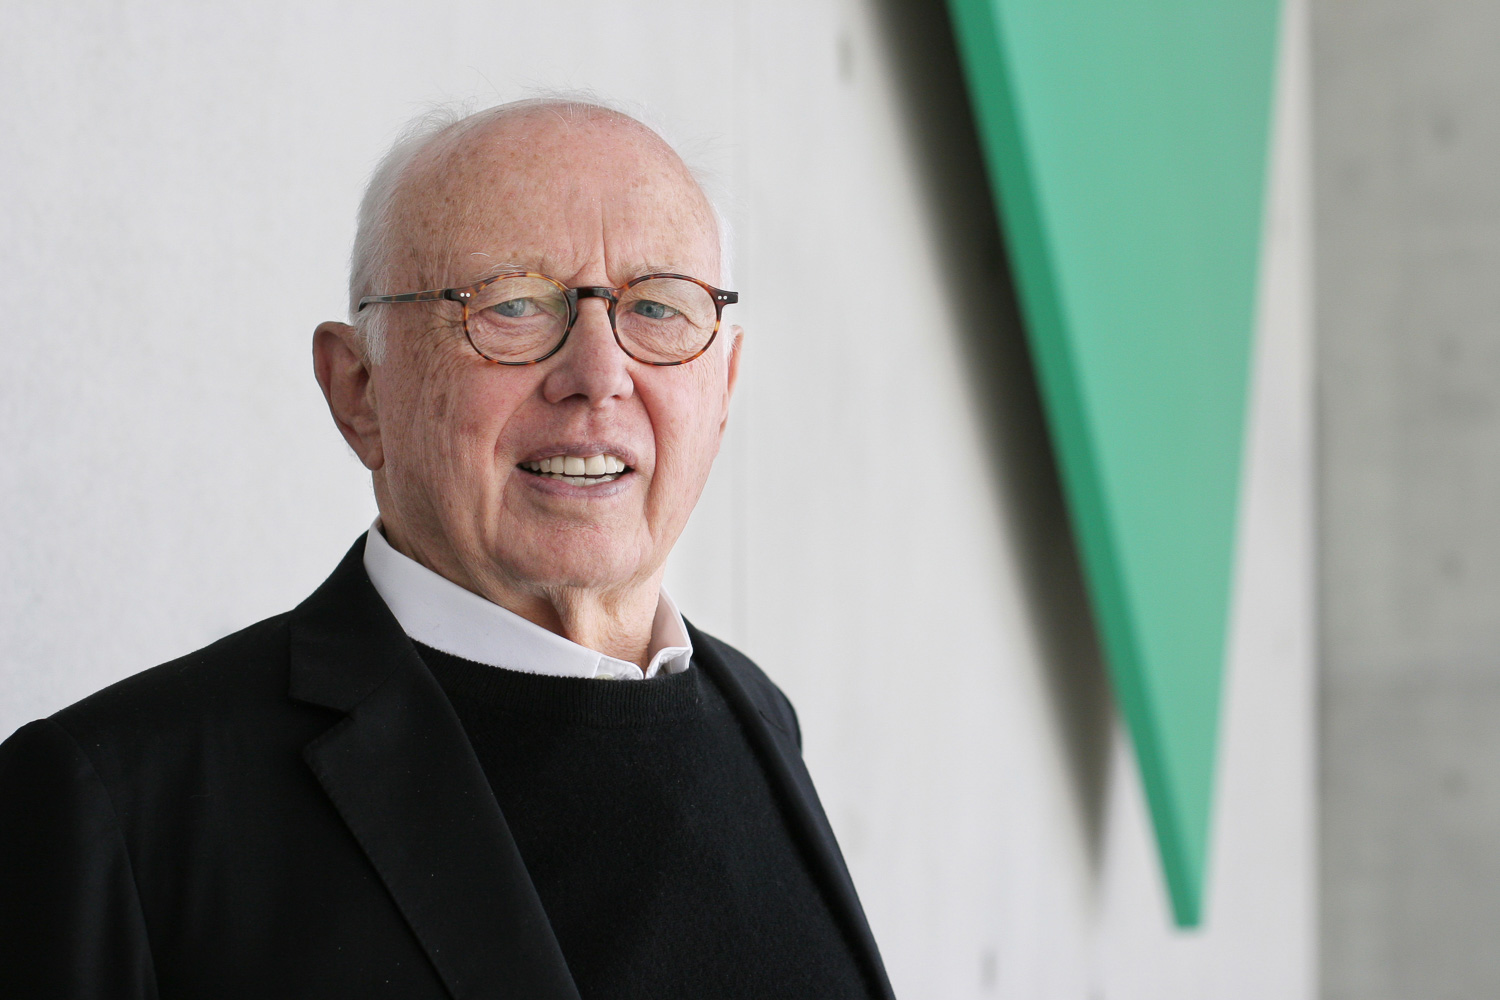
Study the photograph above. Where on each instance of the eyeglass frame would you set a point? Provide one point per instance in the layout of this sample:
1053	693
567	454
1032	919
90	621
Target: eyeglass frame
465	293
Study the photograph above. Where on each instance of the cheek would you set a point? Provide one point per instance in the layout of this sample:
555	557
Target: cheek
686	421
449	423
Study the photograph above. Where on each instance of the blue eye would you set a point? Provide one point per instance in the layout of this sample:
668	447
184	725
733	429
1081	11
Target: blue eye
514	308
653	310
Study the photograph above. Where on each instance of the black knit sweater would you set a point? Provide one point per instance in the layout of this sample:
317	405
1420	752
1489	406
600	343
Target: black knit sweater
653	838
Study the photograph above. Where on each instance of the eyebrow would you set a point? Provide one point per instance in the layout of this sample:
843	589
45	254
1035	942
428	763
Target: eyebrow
500	267
655	268
535	266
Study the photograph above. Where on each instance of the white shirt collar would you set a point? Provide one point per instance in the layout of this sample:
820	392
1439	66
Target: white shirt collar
438	612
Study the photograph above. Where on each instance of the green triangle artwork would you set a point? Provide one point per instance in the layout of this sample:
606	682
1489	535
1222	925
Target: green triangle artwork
1126	145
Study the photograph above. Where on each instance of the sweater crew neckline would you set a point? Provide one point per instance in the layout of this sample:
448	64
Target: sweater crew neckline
580	701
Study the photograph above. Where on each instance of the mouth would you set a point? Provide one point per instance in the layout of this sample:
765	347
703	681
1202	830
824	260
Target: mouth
577	470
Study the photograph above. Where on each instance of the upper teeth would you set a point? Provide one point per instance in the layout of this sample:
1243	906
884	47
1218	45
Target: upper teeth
575	465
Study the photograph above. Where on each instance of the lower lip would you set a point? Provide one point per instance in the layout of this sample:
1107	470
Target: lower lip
595	491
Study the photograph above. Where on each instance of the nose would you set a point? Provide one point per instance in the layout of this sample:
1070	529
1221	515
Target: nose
590	366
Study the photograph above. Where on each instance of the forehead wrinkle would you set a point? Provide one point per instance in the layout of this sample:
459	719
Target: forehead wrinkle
623	261
666	191
427	234
435	203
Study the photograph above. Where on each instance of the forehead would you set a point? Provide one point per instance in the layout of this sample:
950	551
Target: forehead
557	194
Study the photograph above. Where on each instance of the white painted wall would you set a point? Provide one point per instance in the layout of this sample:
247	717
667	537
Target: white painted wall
180	189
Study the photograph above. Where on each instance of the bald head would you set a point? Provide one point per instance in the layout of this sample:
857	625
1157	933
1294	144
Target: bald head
450	186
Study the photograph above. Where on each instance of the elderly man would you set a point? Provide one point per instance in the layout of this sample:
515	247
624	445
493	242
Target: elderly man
415	784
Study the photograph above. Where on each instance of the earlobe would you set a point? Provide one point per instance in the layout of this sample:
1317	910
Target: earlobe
344	375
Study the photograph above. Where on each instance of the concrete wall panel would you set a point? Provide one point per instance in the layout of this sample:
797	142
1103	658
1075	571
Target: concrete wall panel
1408	233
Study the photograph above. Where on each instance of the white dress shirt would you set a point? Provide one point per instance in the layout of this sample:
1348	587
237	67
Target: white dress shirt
438	612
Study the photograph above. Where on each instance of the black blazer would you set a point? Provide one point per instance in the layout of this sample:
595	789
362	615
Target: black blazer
295	811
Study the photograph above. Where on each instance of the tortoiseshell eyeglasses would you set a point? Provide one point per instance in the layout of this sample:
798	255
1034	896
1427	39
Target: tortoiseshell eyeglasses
521	317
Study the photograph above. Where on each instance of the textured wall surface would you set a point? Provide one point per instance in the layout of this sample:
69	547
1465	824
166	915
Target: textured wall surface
1407	182
883	531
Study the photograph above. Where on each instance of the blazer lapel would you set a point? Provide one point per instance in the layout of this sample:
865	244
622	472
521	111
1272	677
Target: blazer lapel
401	773
782	758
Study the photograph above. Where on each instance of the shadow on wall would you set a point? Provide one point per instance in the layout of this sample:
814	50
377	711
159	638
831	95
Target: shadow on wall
939	127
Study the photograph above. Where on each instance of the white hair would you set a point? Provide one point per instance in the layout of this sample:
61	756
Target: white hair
370	259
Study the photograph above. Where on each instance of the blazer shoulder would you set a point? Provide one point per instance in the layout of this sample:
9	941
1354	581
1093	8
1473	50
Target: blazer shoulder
233	700
770	699
209	686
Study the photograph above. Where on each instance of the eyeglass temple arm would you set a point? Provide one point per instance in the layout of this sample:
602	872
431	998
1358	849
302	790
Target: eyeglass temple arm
430	294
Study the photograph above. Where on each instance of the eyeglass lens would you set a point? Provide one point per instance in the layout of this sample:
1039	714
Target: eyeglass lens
521	318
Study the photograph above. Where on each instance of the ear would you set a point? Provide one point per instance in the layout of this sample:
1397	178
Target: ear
344	376
733	374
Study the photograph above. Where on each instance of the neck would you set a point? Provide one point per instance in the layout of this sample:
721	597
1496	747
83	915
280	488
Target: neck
616	624
617	621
